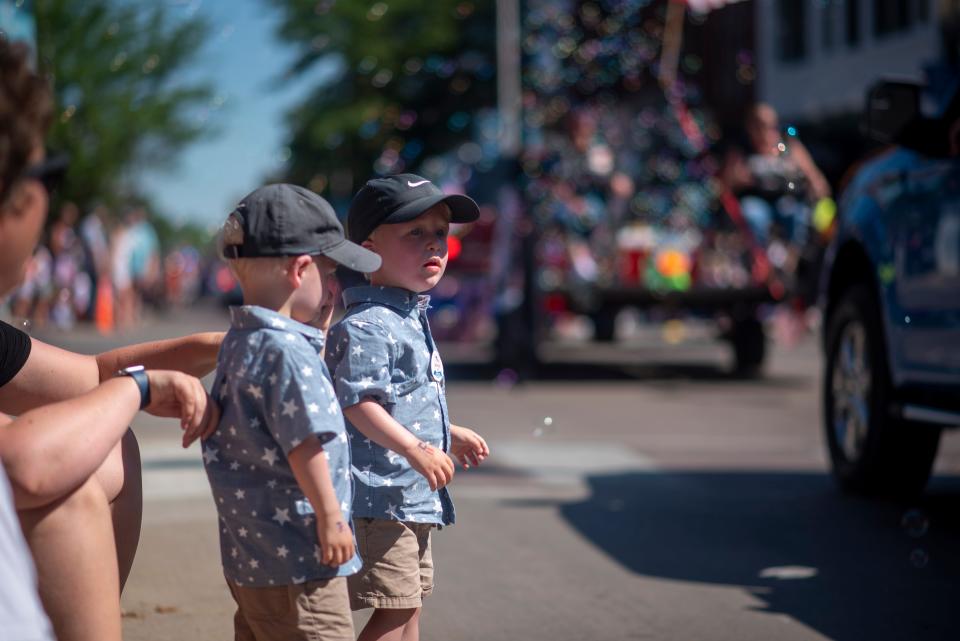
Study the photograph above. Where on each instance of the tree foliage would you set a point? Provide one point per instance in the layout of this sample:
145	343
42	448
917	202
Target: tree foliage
409	75
122	103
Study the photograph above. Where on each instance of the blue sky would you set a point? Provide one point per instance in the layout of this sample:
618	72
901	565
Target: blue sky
242	61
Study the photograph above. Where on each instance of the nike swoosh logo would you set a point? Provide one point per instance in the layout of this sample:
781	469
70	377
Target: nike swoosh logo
417	184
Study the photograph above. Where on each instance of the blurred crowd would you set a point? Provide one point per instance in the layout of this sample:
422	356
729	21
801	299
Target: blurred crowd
106	269
624	200
633	185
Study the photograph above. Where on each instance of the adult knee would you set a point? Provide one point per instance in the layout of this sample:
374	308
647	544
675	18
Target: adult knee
120	472
77	511
87	500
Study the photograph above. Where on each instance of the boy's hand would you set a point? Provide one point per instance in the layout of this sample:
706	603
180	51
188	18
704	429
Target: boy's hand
323	318
336	539
467	446
433	464
179	395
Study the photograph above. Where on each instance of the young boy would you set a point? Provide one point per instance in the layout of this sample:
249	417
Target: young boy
390	381
279	462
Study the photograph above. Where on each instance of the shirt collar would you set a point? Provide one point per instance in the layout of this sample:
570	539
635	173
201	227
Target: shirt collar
401	299
256	317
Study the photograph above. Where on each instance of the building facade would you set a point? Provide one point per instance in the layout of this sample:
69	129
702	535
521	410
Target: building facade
816	58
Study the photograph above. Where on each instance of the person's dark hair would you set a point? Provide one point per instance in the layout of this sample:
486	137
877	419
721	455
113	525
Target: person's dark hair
733	140
25	113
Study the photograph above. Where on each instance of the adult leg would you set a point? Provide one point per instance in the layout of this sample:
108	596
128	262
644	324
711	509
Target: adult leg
411	631
759	216
120	478
73	547
387	625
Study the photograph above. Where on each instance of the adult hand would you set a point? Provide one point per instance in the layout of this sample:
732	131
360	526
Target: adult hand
433	464
179	395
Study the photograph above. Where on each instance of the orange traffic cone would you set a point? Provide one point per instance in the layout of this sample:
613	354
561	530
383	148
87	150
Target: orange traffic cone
103	311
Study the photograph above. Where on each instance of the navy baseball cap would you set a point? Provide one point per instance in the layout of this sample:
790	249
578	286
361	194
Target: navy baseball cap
288	220
401	198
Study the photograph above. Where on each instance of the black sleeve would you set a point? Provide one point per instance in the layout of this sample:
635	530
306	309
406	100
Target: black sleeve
14	351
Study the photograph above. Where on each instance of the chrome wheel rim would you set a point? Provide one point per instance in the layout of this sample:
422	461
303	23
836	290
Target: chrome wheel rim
850	386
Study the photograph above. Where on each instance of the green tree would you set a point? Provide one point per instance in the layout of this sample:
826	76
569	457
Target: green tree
122	103
408	77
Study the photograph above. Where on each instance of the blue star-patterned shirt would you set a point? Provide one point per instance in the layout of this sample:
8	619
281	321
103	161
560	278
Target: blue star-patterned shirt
382	350
274	392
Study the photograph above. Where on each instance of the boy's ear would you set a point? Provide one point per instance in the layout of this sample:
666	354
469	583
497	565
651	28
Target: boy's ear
296	269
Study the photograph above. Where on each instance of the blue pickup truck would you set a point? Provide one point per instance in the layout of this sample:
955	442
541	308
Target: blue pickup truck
890	292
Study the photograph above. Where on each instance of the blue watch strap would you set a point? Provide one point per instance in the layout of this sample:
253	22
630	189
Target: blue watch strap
139	375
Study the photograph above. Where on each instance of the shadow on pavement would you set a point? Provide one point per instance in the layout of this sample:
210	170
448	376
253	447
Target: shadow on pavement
850	568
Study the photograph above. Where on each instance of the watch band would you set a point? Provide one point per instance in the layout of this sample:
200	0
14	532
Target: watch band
139	374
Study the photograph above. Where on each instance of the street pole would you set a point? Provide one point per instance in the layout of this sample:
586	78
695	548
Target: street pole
508	77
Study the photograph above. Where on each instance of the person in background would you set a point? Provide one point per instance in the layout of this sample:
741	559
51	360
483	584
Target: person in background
786	181
67	264
96	256
144	259
779	207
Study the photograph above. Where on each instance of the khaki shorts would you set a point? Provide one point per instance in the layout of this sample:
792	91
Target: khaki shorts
397	565
311	611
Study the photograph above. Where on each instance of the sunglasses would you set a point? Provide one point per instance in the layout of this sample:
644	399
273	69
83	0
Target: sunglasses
49	172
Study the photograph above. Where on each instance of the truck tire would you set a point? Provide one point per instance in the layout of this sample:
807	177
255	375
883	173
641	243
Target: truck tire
871	450
604	324
749	346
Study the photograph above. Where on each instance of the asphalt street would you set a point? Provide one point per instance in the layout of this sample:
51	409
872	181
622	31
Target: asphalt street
635	492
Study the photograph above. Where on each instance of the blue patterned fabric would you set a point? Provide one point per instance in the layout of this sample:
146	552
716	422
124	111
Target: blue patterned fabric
382	350
274	392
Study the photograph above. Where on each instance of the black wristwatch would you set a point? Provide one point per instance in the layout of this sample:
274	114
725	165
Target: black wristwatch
139	374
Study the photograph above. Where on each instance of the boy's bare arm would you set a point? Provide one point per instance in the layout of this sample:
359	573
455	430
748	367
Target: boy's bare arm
376	424
310	468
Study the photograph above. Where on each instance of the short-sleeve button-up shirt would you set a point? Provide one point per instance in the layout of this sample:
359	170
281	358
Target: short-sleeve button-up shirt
274	392
382	350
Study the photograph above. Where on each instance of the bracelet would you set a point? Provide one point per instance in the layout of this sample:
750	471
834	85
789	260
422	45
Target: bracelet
139	376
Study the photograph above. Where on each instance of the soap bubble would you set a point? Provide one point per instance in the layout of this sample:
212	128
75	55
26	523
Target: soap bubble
545	429
507	378
915	522
919	558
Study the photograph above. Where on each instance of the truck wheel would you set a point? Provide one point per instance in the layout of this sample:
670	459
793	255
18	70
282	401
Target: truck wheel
749	346
871	451
604	324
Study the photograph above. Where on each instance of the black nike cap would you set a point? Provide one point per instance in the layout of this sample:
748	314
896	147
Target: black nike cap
401	198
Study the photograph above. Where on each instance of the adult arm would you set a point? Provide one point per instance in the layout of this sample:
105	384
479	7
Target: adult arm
49	451
818	183
376	424
195	355
52	374
312	472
